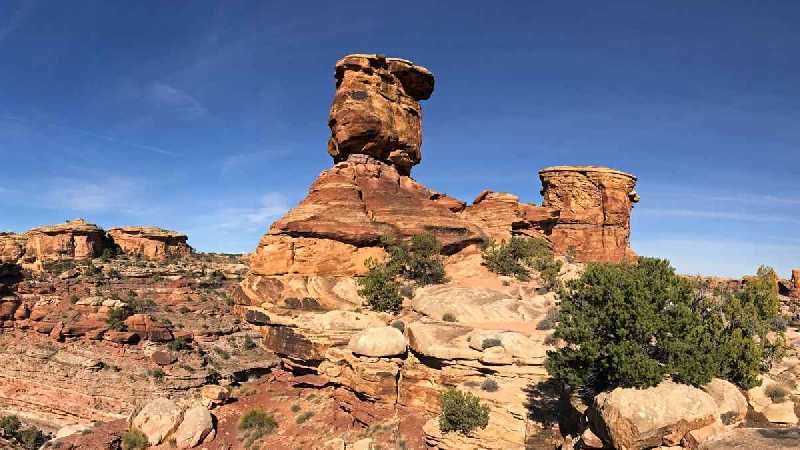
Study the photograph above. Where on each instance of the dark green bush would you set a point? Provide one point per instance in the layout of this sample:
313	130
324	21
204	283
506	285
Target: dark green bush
519	256
489	385
116	318
179	345
449	317
30	438
134	440
632	325
380	289
418	260
462	412
9	425
491	342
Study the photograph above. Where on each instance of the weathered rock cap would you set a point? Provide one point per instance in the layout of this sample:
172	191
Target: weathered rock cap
417	81
586	169
77	226
147	231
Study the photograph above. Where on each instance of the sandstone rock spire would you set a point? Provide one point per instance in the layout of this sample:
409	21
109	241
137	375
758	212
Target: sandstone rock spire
376	109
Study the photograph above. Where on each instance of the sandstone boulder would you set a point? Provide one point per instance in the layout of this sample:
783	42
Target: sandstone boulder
782	412
731	403
158	419
196	427
150	242
378	342
643	418
147	328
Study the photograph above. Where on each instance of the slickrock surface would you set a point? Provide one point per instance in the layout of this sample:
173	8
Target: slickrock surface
150	242
376	109
594	205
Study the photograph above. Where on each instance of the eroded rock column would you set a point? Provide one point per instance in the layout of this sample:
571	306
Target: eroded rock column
595	206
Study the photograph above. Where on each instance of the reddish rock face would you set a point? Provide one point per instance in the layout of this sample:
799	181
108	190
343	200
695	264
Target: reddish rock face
12	247
594	205
376	110
349	207
794	284
75	239
500	215
150	242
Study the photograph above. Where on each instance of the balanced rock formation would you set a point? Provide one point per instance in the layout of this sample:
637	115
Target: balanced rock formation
376	112
594	205
150	242
376	135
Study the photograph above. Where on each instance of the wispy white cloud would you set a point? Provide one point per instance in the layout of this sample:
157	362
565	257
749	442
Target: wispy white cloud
272	206
177	100
238	160
717	215
31	125
118	194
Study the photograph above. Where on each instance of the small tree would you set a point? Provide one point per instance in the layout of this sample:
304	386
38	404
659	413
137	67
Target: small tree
631	325
380	289
462	412
134	440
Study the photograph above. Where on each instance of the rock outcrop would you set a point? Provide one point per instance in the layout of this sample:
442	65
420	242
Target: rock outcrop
376	110
791	287
75	239
594	205
150	242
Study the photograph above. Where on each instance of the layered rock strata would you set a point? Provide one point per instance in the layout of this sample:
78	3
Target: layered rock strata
150	242
79	240
594	205
75	239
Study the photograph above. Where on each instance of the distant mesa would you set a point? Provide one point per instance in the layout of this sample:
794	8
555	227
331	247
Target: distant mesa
81	240
150	242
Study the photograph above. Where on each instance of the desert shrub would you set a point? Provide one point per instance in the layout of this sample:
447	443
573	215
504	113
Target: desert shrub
549	321
489	385
462	412
400	325
631	325
777	393
418	260
303	417
519	256
779	323
295	408
449	317
134	440
116	318
10	425
222	353
255	424
490	342
379	288
249	343
31	438
156	374
179	345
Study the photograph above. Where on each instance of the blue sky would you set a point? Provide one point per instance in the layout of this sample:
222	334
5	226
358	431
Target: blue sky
210	117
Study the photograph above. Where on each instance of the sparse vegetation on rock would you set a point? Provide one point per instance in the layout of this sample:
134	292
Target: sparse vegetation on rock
519	256
255	424
462	412
134	440
30	438
631	325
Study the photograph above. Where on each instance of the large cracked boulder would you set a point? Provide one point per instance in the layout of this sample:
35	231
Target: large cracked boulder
632	419
376	109
196	427
158	419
